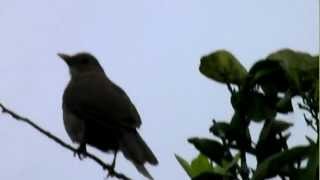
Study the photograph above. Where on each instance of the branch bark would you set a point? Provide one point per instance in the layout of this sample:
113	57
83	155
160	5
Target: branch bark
105	166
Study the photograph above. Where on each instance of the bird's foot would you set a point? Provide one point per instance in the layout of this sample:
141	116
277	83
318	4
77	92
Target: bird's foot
111	173
81	152
113	165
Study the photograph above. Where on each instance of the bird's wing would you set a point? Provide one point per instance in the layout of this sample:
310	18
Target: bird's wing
132	109
101	101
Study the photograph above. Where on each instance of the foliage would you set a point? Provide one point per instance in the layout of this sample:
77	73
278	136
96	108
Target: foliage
258	96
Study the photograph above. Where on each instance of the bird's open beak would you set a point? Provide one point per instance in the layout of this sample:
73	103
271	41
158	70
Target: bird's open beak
65	57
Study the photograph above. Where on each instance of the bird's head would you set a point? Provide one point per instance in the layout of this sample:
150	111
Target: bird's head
81	63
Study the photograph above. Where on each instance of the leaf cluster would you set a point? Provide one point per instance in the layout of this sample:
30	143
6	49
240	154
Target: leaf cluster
258	95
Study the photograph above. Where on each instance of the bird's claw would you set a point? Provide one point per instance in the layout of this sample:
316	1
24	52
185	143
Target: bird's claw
110	173
80	152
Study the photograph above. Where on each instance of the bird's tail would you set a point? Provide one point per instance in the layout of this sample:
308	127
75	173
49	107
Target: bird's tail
136	150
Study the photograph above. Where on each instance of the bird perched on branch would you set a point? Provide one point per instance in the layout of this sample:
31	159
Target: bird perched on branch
99	113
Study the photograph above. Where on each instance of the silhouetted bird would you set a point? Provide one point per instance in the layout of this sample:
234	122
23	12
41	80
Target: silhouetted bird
99	113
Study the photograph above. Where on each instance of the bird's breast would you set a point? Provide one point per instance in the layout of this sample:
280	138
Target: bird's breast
74	126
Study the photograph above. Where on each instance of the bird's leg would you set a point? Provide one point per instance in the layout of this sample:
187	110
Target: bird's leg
114	159
113	164
81	151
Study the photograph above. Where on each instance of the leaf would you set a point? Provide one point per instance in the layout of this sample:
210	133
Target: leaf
220	129
255	105
311	170
210	148
272	128
184	164
208	176
278	126
273	165
242	137
259	108
284	105
268	144
230	164
223	67
313	163
316	93
301	68
269	75
200	165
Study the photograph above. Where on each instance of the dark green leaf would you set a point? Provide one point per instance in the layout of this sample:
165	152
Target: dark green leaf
284	105
223	67
272	128
278	126
316	94
311	171
232	163
242	137
301	68
273	165
255	105
210	148
269	75
209	176
313	163
259	107
220	129
268	144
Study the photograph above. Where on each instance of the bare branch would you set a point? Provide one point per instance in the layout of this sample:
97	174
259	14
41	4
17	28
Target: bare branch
108	167
310	123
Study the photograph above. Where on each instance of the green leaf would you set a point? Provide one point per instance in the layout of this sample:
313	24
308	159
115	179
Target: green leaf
223	67
200	165
301	68
184	164
210	148
273	165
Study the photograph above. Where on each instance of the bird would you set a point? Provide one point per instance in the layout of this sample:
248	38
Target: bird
99	113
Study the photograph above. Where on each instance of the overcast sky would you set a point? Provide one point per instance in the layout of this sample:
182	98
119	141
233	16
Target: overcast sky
152	50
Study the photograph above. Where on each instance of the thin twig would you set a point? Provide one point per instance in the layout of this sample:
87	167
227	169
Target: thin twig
108	167
309	123
302	106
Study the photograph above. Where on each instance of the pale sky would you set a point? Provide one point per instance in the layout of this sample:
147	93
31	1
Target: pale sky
152	50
